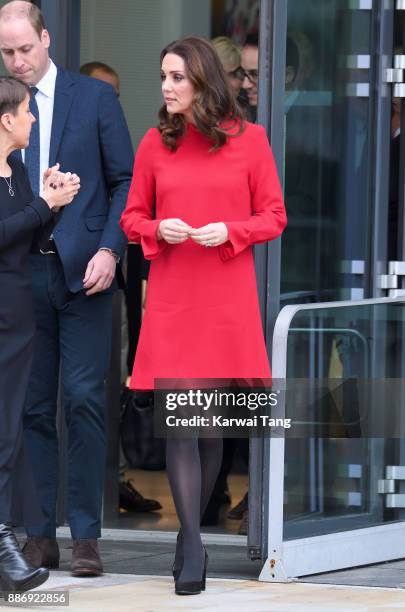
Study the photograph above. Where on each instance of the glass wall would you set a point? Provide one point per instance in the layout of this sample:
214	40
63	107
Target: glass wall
327	116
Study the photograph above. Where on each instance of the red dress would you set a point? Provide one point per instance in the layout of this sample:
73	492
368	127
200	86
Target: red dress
202	317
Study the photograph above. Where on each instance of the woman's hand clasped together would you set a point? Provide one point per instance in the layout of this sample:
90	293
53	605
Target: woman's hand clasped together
210	235
59	187
176	231
173	231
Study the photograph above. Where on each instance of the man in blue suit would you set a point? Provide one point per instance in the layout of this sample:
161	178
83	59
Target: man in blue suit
80	125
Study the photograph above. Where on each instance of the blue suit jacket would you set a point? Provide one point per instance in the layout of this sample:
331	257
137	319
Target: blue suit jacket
90	137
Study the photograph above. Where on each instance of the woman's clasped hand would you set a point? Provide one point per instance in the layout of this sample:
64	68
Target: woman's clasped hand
176	231
59	187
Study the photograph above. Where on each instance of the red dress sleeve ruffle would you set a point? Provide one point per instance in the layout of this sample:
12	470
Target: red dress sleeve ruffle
268	212
137	220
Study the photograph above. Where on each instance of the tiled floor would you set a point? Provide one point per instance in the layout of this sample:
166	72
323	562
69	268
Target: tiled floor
138	579
129	593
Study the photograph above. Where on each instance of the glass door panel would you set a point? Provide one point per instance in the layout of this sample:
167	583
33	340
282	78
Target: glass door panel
342	485
336	490
335	487
327	115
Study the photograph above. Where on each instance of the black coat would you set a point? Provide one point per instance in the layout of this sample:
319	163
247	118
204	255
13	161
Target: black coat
22	219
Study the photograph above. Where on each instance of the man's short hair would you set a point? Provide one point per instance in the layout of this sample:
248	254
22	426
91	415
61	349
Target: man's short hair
252	40
25	9
90	67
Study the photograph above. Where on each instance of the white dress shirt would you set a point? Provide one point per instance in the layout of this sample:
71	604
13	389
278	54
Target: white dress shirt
45	97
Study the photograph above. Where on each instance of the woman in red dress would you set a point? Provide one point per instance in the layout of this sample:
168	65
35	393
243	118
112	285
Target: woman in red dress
204	190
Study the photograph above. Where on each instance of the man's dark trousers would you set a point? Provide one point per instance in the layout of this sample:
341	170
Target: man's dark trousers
74	331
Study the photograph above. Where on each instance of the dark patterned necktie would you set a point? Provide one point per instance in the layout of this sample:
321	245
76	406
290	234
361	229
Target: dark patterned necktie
32	152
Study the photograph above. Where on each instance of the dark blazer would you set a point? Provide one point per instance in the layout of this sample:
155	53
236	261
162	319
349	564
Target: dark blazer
90	137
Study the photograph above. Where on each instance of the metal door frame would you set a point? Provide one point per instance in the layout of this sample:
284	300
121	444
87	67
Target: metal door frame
272	46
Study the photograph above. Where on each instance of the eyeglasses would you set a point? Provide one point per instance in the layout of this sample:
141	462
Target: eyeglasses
238	73
251	75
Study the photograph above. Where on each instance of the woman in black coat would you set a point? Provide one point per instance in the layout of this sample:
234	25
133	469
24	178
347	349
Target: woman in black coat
22	219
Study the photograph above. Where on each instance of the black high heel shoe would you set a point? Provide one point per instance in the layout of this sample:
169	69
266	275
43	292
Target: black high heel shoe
193	587
15	573
176	570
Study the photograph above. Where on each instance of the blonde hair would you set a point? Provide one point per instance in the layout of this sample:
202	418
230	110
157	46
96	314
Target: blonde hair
229	52
21	9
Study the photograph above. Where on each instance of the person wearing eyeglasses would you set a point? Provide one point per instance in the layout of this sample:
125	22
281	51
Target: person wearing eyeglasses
250	66
230	55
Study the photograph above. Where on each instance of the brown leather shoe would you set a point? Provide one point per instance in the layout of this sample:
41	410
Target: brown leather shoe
41	552
86	558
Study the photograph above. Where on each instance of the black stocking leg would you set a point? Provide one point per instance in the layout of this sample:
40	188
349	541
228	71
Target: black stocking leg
184	474
210	457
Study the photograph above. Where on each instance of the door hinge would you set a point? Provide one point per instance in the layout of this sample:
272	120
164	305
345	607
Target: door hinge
395	76
391	282
386	486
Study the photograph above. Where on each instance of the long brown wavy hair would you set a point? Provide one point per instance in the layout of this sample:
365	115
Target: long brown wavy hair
215	110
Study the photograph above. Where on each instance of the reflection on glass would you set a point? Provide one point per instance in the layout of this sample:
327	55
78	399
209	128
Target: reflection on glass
326	166
331	483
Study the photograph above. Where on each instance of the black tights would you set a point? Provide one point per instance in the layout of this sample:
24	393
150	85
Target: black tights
192	469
